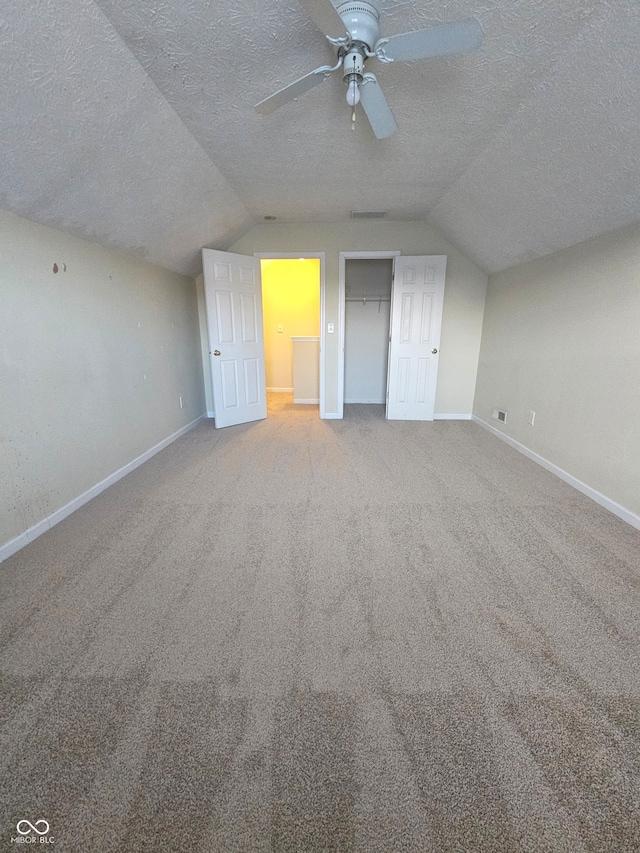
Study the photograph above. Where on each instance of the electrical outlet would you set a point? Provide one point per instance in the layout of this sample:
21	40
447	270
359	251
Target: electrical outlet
279	327
532	417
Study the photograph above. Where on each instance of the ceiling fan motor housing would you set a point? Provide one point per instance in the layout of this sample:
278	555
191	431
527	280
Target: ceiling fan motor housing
361	21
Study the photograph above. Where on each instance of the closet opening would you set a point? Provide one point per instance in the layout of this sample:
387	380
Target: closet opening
368	284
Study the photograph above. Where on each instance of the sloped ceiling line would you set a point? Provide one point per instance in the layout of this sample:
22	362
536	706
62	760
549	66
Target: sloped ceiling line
571	182
135	55
538	81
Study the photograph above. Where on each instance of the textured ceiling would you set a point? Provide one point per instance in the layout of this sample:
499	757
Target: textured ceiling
132	123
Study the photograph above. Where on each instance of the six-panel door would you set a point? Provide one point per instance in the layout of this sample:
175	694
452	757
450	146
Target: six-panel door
233	295
414	349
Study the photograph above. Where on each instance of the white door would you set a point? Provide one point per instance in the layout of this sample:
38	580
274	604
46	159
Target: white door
233	296
414	348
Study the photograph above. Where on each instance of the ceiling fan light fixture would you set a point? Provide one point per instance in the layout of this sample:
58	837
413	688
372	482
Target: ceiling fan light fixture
353	65
353	92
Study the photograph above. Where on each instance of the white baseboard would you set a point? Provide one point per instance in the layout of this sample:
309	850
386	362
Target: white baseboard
13	545
316	401
616	508
456	416
330	416
453	417
210	415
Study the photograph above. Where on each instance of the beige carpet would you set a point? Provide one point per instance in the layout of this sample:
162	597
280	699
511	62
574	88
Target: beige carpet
305	635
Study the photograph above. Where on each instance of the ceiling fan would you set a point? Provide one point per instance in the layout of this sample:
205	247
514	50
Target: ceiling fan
362	41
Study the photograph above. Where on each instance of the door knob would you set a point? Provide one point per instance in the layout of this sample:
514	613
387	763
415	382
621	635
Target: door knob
434	350
216	352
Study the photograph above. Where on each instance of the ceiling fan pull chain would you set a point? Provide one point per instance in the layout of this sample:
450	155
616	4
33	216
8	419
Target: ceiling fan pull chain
353	119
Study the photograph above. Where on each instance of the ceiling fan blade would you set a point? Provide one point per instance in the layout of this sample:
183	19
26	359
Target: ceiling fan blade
442	40
293	90
376	107
324	15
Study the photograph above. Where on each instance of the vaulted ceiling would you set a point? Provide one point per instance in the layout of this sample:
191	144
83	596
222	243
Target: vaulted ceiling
132	123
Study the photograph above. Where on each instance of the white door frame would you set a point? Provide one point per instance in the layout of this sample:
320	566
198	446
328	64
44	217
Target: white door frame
309	256
344	257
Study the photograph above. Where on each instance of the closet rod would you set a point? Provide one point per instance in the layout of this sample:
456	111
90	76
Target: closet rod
365	299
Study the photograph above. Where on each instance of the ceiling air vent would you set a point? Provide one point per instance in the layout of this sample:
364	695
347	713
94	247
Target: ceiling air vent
368	214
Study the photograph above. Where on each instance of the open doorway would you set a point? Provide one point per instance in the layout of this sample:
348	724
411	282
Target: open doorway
291	312
365	294
368	284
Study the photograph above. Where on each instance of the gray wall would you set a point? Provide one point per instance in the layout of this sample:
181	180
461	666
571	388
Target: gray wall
561	337
463	301
75	347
